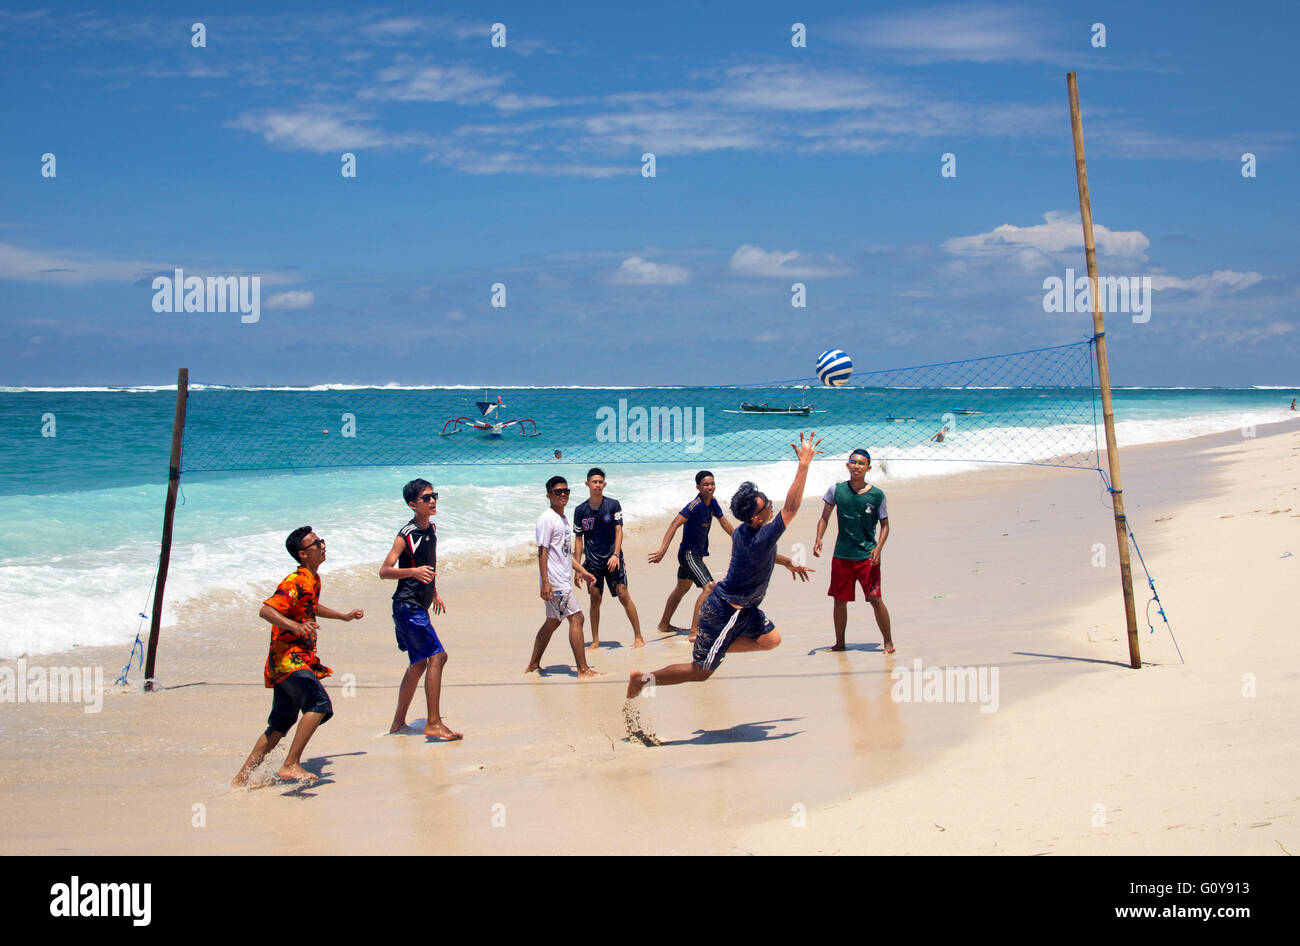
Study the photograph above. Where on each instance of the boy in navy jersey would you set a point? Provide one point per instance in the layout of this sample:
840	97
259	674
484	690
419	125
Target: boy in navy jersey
413	562
696	516
598	531
731	619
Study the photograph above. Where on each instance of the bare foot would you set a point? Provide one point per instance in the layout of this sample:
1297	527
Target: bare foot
639	642
296	773
889	647
670	629
587	673
240	780
593	645
838	647
439	730
534	668
635	682
691	638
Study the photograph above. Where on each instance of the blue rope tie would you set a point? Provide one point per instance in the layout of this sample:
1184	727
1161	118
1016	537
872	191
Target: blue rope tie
121	680
1155	595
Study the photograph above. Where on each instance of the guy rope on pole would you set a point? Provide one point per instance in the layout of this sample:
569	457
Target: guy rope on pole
1103	376
169	513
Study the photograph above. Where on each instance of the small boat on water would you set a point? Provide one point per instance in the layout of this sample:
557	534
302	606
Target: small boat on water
891	419
490	425
795	410
961	412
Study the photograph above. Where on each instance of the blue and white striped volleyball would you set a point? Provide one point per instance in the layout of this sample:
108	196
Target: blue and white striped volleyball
834	368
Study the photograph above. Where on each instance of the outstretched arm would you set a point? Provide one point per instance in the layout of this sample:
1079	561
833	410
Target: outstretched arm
796	571
324	612
678	521
805	452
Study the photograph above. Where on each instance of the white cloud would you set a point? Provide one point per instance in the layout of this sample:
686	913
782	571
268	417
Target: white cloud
803	90
510	102
76	268
642	272
413	82
312	129
1060	233
26	265
1226	280
294	299
750	260
1247	335
673	132
961	32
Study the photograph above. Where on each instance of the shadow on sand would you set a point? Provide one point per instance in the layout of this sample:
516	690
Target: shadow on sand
316	767
745	732
868	648
1084	660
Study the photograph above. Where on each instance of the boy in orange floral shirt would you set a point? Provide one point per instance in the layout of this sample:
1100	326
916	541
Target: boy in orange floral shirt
292	667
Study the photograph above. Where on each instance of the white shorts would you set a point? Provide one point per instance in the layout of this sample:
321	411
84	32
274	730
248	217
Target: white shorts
562	604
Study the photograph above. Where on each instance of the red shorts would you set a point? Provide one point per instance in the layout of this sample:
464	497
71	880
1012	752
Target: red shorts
845	574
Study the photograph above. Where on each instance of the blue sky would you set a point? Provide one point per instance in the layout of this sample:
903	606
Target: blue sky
521	165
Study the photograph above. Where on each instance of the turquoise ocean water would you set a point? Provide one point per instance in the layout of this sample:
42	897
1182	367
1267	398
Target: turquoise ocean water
83	471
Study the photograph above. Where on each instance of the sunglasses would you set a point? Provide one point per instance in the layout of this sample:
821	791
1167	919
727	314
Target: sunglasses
560	492
428	498
312	545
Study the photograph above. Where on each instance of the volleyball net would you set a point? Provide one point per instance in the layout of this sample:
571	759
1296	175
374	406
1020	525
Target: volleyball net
1035	407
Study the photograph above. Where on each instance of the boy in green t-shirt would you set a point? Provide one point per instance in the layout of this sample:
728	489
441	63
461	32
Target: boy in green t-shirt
859	507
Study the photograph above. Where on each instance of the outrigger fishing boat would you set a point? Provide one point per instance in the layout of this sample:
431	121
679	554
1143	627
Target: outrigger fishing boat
797	410
490	426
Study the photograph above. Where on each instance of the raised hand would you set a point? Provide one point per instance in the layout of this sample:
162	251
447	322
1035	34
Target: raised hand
806	451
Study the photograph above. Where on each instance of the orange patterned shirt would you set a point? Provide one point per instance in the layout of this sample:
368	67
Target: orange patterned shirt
292	651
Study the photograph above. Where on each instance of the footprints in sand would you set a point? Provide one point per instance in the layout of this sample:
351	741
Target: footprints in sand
1259	512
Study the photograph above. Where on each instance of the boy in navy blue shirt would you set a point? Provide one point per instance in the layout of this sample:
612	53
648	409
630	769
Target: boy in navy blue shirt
730	618
696	517
598	532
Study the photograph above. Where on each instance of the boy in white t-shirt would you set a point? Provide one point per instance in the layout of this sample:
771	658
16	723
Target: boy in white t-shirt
557	565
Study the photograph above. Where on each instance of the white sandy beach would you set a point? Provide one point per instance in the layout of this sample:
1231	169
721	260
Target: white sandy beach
794	751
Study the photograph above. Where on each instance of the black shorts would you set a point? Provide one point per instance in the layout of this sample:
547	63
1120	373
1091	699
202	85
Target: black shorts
604	576
690	565
720	627
300	692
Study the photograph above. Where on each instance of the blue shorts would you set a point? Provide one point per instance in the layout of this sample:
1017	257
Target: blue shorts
300	692
720	627
415	635
604	576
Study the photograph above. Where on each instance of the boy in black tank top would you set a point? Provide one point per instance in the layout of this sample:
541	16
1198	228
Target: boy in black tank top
413	562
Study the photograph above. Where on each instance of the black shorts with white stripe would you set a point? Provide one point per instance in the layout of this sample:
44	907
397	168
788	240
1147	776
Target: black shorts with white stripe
690	565
720	626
